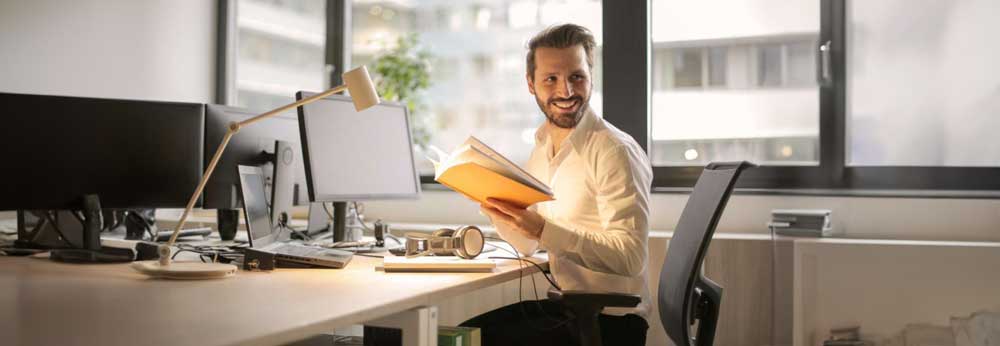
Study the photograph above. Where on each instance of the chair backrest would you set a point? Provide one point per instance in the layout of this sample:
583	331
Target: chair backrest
684	293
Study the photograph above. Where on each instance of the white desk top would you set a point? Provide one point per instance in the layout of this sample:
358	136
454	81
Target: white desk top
48	303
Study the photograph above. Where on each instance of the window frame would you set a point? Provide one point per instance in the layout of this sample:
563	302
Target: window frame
627	87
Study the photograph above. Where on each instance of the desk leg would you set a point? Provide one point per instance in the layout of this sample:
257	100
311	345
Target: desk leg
419	325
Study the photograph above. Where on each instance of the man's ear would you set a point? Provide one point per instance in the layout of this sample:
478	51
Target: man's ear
531	84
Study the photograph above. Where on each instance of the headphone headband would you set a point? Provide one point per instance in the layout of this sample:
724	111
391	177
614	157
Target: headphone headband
467	242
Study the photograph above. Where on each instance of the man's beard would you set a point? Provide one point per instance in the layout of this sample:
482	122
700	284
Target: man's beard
563	120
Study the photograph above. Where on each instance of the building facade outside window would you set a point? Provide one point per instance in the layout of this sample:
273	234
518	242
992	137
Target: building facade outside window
734	81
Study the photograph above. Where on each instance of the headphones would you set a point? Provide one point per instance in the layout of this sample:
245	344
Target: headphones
466	242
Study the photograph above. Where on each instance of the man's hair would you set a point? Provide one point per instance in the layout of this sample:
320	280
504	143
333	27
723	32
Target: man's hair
561	36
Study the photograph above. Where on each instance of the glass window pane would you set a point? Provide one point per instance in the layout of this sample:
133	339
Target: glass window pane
281	47
921	83
769	65
687	68
801	65
761	102
717	66
476	51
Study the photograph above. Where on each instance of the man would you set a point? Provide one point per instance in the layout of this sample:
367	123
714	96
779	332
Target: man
596	228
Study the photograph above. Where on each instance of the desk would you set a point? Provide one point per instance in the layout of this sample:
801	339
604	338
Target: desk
48	303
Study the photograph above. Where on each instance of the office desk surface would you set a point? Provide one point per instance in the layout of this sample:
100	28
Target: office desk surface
48	303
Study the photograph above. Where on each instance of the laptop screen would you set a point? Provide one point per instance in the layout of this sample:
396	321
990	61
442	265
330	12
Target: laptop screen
258	220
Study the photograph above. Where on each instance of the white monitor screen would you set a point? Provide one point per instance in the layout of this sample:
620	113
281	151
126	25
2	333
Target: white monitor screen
352	155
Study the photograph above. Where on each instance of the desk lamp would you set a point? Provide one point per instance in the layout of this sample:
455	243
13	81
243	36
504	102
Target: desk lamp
363	94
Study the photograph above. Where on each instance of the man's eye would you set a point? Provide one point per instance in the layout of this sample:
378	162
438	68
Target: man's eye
576	78
550	79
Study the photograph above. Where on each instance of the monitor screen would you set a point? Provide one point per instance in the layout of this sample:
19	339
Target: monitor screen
255	206
132	154
247	148
351	155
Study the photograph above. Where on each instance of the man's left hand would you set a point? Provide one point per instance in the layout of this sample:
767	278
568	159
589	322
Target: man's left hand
525	221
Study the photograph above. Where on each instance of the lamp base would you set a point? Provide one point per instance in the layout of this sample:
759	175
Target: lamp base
184	270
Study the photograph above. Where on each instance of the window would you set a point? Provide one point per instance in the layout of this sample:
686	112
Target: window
922	72
739	85
280	49
687	68
824	94
477	49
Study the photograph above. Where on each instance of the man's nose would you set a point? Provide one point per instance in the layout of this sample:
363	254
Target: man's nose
564	89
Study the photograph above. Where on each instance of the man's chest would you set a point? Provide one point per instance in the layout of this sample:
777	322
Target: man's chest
572	184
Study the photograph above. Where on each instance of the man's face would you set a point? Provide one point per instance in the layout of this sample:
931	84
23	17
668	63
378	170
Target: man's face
561	84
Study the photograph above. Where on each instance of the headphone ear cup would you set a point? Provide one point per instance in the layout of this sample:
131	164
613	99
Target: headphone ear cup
471	240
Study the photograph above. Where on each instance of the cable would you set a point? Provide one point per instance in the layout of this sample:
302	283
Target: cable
327	210
357	216
518	258
145	222
55	226
551	282
368	255
395	238
520	294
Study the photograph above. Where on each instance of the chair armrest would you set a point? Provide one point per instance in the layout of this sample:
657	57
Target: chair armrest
595	299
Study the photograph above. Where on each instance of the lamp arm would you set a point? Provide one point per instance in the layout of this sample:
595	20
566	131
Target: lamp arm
164	250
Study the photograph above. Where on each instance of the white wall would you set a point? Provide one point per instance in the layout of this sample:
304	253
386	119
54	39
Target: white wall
875	218
150	49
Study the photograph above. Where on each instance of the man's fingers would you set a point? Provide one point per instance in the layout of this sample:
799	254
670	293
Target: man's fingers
496	214
505	207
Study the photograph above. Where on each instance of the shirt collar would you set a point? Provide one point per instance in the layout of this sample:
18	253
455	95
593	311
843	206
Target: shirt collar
578	136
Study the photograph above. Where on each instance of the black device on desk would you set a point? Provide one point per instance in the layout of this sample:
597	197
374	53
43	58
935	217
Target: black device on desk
354	156
264	237
129	153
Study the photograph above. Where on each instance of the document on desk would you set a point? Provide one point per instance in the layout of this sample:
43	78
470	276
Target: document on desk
436	264
479	172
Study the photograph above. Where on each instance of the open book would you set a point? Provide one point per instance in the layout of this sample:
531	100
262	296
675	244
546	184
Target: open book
478	172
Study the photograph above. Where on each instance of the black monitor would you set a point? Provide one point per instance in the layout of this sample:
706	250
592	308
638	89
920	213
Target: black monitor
132	154
351	155
253	145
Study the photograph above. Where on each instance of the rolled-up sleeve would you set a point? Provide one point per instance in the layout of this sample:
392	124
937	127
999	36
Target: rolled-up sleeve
622	179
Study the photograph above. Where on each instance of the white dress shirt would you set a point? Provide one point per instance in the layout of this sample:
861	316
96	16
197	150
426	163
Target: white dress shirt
597	227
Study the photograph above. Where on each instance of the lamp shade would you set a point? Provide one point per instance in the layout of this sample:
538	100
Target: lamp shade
359	84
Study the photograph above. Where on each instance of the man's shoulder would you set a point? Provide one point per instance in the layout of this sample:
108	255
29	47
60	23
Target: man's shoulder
608	138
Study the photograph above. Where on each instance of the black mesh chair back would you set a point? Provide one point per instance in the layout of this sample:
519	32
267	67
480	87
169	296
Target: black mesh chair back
685	295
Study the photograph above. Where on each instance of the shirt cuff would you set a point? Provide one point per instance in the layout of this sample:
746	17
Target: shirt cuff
556	238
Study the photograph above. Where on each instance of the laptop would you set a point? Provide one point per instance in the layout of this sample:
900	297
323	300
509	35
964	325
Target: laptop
263	235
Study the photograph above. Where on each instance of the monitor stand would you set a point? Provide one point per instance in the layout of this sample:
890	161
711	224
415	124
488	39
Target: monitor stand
89	249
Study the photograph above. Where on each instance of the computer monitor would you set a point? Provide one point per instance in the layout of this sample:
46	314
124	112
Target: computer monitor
355	156
132	154
253	145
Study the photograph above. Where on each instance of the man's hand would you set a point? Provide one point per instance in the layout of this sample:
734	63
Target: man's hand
527	222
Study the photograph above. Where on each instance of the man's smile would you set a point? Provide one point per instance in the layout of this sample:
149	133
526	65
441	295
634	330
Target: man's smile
569	105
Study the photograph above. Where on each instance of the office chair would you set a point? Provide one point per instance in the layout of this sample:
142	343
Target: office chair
685	294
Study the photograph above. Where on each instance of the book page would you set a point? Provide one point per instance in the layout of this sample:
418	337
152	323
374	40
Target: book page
511	170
